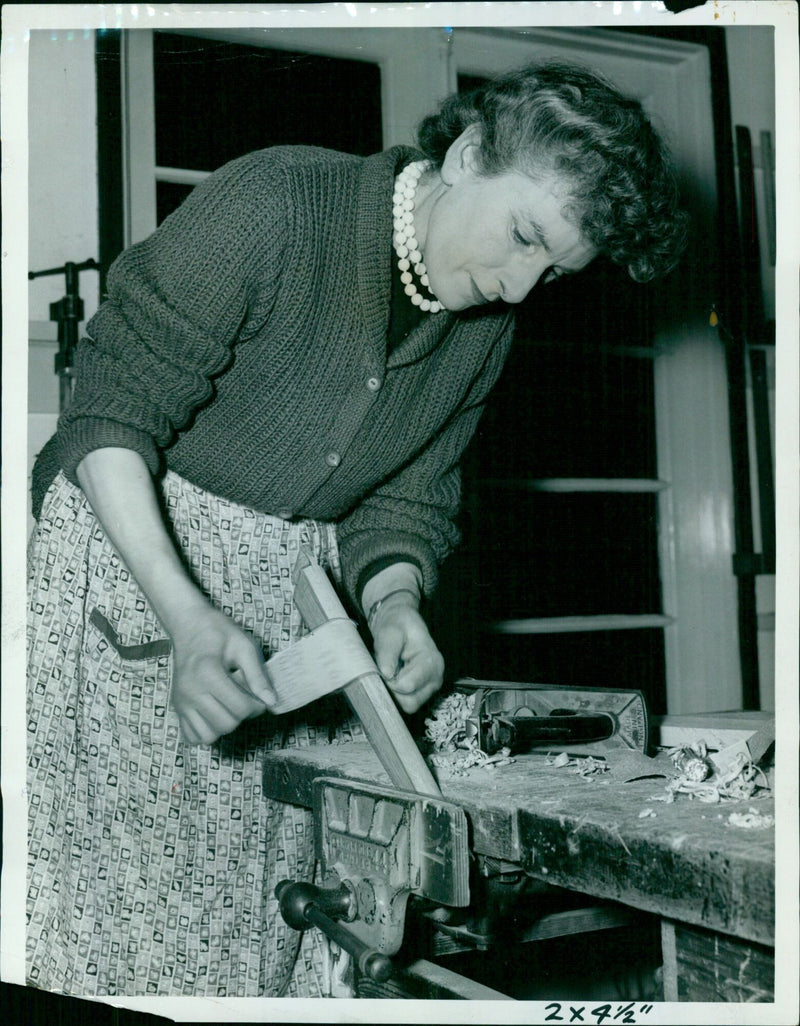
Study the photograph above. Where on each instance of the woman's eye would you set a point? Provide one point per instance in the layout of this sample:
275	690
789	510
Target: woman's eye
520	238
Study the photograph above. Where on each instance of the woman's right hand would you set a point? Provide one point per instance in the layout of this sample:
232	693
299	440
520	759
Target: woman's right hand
218	671
218	677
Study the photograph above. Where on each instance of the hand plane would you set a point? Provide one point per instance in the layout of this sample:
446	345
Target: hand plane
522	717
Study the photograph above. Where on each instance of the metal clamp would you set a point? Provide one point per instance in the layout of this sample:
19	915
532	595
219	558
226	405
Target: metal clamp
377	846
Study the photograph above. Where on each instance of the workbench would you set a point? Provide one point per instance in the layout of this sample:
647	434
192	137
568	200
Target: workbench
711	884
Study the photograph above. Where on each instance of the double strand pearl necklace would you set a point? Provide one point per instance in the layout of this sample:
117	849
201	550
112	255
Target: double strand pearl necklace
405	239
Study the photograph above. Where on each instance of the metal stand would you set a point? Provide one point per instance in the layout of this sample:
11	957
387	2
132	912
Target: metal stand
68	313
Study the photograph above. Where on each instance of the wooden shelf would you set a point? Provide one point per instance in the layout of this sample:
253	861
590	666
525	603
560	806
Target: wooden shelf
572	624
566	485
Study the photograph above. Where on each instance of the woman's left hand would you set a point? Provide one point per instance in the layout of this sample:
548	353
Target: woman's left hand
408	659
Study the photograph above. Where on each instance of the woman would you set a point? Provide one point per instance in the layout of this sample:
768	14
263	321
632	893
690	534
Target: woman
298	355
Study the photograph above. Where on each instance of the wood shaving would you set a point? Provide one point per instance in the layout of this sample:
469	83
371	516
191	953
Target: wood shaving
590	767
691	761
468	756
614	828
751	820
453	750
585	767
740	781
448	725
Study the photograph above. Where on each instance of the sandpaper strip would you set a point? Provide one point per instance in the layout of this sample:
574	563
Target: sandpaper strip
327	659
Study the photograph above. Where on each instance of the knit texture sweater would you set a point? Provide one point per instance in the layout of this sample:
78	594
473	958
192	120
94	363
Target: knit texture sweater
244	346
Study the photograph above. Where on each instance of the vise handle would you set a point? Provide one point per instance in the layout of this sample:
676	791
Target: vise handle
303	904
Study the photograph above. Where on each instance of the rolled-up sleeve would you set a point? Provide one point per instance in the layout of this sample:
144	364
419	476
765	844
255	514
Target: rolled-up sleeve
177	303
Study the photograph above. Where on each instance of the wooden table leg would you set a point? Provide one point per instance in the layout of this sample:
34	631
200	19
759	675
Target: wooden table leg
701	965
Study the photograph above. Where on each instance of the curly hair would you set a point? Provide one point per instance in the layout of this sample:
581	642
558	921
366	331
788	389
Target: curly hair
559	119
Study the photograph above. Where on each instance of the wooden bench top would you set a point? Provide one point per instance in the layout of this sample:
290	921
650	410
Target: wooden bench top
683	861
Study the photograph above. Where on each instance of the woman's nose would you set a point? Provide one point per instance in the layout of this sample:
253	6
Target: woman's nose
519	278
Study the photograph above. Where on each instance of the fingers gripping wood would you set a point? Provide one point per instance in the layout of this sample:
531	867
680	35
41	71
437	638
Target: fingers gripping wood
369	697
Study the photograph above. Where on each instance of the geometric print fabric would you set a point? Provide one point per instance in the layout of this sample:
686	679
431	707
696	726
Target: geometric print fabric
153	863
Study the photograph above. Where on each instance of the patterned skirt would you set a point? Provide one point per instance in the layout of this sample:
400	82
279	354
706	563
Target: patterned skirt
153	863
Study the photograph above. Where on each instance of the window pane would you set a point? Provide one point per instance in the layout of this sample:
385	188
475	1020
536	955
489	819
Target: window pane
572	409
565	555
169	196
217	100
601	305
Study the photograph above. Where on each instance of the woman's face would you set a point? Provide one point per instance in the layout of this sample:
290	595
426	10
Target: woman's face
484	239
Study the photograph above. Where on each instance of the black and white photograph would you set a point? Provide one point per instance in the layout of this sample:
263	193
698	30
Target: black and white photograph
399	513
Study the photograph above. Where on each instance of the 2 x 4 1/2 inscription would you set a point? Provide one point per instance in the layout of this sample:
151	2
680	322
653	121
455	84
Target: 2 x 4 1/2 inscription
599	1014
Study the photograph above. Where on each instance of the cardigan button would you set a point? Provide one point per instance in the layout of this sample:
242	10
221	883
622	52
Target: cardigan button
333	459
373	384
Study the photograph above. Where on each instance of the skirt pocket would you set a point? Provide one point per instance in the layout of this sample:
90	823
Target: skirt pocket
130	680
134	653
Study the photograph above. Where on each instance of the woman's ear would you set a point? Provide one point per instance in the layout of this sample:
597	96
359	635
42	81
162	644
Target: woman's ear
462	156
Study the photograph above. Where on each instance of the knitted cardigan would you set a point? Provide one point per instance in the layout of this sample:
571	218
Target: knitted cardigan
244	346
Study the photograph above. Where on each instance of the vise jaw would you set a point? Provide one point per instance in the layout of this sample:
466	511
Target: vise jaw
378	846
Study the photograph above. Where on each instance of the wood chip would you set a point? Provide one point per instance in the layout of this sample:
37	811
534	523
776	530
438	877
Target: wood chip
751	820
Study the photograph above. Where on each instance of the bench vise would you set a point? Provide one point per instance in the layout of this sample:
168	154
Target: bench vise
377	846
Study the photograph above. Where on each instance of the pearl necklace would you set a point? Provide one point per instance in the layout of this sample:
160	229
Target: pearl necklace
405	240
